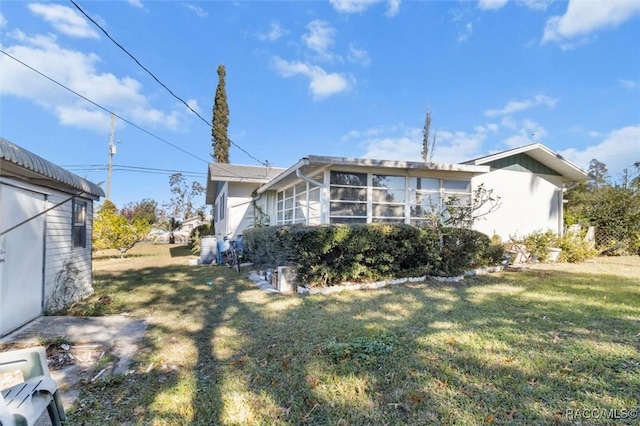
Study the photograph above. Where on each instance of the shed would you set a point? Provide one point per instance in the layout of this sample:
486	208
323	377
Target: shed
46	217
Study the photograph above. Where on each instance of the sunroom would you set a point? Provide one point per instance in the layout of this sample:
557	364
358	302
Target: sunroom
330	190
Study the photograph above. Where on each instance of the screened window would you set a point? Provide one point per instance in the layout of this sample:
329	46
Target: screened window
299	204
348	193
388	198
79	229
427	198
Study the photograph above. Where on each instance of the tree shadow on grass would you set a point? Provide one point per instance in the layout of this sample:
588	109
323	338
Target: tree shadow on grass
510	349
180	251
489	351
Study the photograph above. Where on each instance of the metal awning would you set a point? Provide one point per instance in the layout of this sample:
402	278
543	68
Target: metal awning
20	163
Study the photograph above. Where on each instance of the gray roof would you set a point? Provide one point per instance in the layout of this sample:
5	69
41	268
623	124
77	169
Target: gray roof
569	171
312	164
23	164
219	173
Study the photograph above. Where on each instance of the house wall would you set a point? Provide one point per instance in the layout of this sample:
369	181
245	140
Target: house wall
529	202
239	210
221	212
67	268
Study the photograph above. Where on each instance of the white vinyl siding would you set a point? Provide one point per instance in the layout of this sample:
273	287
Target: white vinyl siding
59	245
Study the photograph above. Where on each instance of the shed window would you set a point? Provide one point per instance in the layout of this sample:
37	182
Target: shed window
79	229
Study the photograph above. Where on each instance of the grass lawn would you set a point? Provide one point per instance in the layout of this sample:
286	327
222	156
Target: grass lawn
511	348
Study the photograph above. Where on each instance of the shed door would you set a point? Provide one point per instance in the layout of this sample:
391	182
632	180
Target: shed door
21	257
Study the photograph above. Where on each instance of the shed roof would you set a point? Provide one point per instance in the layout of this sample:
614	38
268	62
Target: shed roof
569	171
21	163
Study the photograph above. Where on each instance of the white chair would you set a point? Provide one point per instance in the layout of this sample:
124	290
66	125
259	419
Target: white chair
26	402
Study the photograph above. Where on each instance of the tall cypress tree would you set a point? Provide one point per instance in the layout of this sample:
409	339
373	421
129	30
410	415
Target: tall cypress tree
220	122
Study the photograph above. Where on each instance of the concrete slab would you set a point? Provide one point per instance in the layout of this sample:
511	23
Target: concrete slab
117	335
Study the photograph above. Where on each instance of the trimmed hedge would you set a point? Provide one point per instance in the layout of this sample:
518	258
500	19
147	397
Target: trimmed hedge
332	254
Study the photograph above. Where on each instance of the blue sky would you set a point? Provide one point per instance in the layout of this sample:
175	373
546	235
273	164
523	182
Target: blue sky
340	78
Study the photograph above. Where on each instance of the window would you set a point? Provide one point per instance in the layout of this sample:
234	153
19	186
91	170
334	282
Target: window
388	198
428	195
79	229
348	194
222	207
299	204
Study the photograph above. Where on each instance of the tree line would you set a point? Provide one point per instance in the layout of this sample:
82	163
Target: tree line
612	207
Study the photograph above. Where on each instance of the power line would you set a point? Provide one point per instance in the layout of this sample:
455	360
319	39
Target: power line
133	169
102	108
264	163
111	112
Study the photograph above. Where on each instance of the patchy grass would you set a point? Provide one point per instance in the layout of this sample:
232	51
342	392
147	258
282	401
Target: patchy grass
513	348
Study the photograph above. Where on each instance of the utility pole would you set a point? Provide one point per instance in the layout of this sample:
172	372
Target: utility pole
112	152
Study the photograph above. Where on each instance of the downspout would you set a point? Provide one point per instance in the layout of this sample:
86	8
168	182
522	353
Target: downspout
308	179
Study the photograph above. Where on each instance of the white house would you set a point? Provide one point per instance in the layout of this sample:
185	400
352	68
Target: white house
323	190
531	181
231	190
45	236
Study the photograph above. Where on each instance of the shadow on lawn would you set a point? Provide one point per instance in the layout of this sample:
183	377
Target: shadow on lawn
460	359
518	348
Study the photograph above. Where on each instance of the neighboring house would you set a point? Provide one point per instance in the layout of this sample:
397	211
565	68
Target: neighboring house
323	190
46	217
159	234
190	224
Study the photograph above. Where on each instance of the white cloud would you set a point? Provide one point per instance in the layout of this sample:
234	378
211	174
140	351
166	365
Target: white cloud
405	144
358	6
193	104
400	148
76	70
64	19
491	4
198	10
3	21
393	8
488	127
275	32
465	33
321	83
528	133
517	106
539	5
360	56
630	84
585	17
618	150
136	3
319	37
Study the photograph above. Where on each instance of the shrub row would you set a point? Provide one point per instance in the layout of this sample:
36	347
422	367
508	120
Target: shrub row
332	254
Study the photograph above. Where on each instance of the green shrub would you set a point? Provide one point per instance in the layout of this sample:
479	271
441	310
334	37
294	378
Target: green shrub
463	249
328	255
492	255
575	249
538	243
196	234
